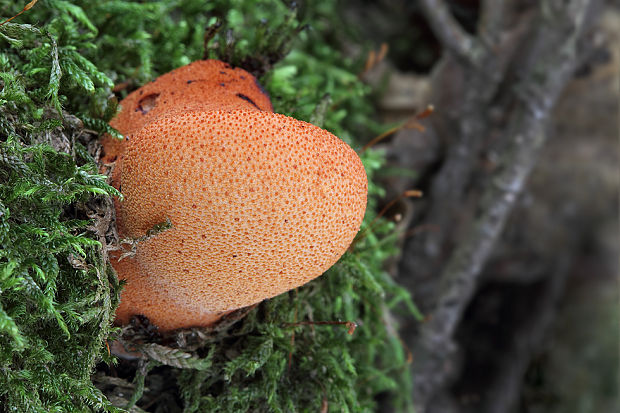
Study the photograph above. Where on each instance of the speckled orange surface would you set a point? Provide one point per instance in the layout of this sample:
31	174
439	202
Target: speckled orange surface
204	84
260	203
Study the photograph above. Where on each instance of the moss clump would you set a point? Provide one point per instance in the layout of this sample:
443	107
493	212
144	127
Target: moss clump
59	64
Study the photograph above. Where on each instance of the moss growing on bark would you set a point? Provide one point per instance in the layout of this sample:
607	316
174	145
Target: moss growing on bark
59	64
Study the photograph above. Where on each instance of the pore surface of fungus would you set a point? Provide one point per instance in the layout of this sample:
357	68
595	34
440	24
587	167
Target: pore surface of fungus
259	202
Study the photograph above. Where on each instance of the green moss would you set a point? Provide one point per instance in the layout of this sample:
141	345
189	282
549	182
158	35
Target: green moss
58	65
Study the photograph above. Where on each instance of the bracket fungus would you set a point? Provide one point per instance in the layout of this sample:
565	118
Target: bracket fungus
260	203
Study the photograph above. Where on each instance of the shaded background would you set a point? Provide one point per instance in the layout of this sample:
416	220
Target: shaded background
540	330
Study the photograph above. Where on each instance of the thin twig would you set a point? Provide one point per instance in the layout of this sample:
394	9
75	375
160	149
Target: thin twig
491	21
465	123
411	123
450	33
555	53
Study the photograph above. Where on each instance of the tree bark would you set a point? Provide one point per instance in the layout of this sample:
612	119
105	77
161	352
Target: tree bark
535	53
